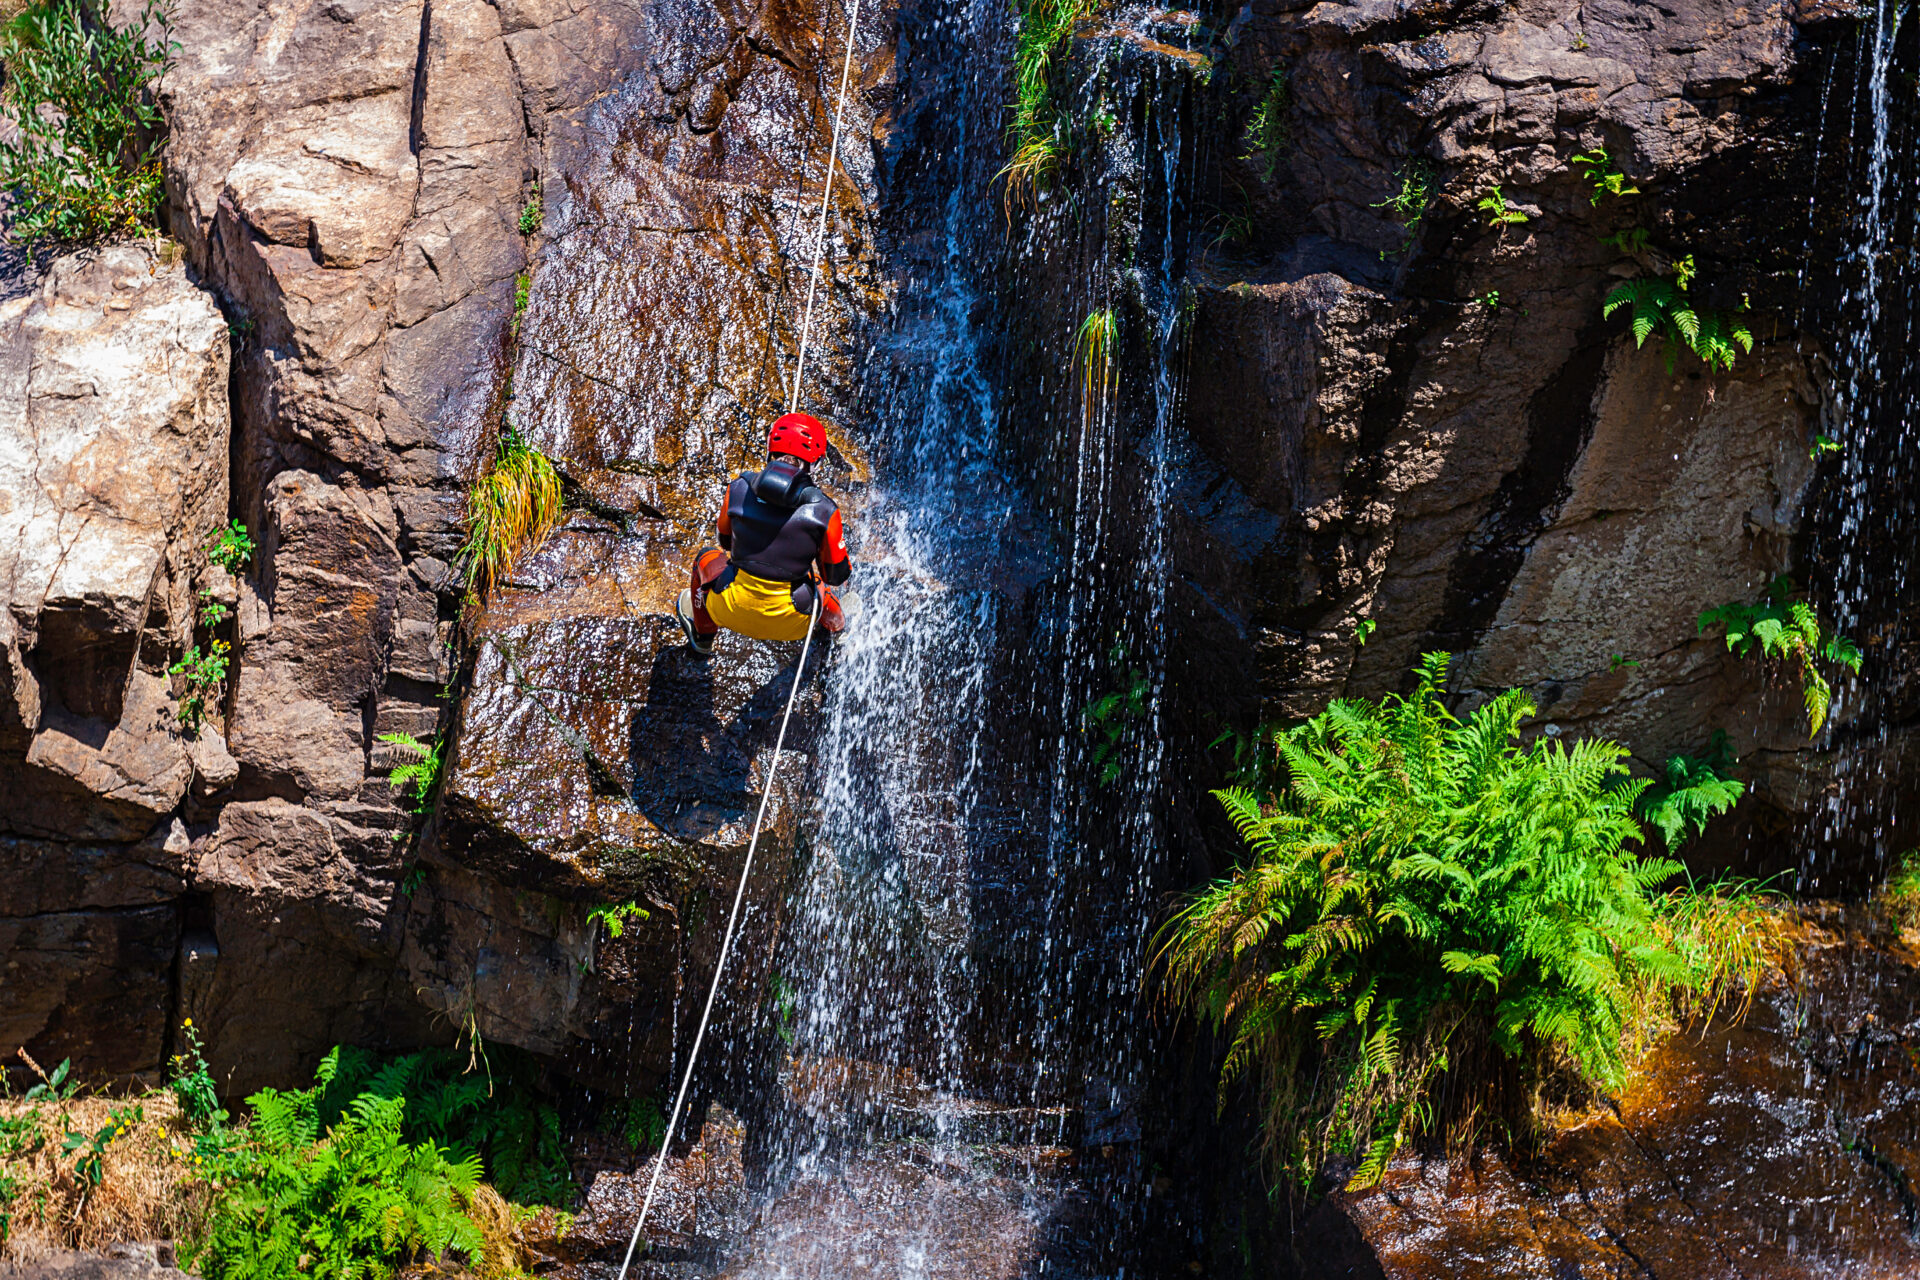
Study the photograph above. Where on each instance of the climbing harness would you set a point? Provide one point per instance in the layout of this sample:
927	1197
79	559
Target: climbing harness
813	618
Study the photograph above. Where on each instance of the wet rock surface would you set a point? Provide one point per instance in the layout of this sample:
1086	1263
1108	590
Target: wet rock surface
1783	1146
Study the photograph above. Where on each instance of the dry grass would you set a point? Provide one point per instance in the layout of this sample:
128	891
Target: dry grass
147	1188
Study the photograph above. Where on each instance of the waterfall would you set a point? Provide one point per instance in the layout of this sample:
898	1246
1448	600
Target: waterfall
967	950
1865	538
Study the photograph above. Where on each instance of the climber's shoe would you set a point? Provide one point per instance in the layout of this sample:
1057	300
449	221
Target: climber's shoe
683	610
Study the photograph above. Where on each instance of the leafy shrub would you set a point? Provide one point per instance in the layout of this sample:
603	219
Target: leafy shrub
1780	627
1600	170
1661	308
192	1084
1499	210
615	915
533	212
85	160
1037	133
1426	897
1900	896
515	506
231	547
203	679
1691	790
497	1118
1113	716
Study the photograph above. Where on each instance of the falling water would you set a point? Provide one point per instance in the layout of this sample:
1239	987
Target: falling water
968	943
1868	539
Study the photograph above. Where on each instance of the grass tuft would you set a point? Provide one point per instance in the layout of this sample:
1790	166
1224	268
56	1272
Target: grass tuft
511	511
1037	133
1093	347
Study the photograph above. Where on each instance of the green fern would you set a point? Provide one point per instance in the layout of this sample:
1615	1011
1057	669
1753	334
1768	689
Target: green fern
1424	892
1780	627
1660	308
1499	210
1692	790
1599	169
359	1201
415	778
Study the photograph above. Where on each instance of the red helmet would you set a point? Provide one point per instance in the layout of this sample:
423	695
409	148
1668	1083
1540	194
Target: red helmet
799	434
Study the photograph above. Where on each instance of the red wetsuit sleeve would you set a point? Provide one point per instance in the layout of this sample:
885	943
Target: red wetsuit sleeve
835	567
725	522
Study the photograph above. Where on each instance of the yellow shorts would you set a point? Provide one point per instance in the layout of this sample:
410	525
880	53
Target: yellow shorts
758	608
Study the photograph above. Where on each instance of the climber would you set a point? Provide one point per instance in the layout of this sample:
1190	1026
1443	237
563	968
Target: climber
776	525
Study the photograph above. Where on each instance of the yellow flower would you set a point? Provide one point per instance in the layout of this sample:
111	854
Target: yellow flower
187	1023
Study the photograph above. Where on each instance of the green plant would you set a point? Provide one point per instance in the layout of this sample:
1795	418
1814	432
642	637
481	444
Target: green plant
532	212
354	1199
231	547
1598	168
80	156
1363	630
192	1084
1690	791
1660	307
1268	133
415	777
1037	133
514	506
1632	241
781	992
1112	715
499	1117
57	1087
1727	934
1822	444
1499	210
411	882
522	292
204	679
89	1150
644	1124
1778	626
212	611
1408	205
616	916
1425	897
1580	44
1093	346
1490	299
1900	896
1620	660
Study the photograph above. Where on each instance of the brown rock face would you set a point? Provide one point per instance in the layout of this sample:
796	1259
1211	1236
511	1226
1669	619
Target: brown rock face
1431	427
113	446
363	186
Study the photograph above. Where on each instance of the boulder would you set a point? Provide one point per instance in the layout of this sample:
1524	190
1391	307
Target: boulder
112	478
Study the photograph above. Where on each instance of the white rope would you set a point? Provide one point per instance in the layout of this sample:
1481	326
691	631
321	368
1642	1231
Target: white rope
726	943
826	201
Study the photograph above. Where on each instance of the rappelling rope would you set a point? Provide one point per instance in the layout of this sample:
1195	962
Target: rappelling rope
726	945
826	202
780	742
